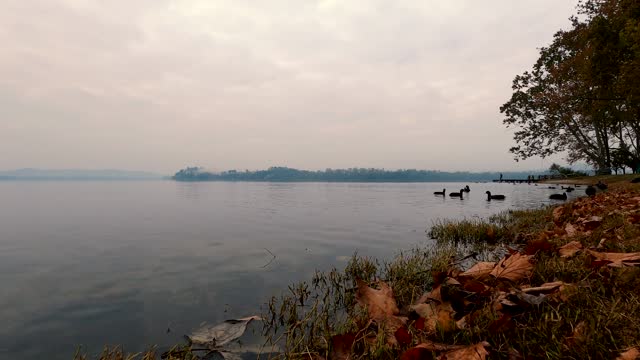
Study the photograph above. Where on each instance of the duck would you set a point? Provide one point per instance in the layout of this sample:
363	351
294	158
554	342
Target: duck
601	185
562	196
494	197
567	189
467	189
551	187
591	191
440	193
457	194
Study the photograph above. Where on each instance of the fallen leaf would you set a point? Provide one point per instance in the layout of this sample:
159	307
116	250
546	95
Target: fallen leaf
570	249
403	336
592	223
479	270
545	288
501	324
617	259
570	230
631	354
472	352
416	353
579	335
341	346
221	334
540	244
381	307
433	346
380	304
557	213
634	218
436	316
476	287
513	268
515	355
530	299
433	295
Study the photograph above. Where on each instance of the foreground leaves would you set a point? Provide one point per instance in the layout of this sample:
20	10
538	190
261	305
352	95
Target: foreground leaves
514	268
617	259
631	354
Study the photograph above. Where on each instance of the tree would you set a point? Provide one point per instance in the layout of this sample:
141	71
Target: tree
582	95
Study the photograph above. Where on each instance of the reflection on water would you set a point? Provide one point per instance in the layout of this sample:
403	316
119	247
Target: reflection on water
139	263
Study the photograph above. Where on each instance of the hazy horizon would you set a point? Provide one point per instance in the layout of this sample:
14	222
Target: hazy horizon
158	85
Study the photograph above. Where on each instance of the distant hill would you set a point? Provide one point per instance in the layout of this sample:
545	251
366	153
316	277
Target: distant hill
76	174
285	174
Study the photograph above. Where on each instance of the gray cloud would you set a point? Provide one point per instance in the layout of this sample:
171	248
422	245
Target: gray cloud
160	84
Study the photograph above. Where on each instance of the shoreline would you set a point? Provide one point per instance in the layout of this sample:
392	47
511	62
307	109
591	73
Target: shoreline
489	286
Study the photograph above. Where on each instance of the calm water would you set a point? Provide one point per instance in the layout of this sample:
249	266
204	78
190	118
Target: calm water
140	263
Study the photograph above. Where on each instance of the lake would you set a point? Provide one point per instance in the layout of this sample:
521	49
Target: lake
144	262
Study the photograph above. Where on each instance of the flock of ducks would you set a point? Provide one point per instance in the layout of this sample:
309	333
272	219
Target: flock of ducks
590	191
467	189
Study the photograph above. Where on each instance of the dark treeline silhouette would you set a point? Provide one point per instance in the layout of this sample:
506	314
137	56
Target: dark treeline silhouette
283	174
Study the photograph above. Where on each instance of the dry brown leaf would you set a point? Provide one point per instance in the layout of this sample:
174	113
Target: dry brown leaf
557	213
570	249
631	354
472	352
341	346
433	346
479	270
436	316
592	222
617	259
379	303
381	307
570	230
514	267
545	288
579	335
433	295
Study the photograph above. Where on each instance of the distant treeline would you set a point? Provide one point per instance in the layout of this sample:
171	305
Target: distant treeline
283	174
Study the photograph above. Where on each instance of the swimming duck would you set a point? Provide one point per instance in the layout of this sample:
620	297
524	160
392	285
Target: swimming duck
457	194
562	196
494	197
590	190
440	193
467	189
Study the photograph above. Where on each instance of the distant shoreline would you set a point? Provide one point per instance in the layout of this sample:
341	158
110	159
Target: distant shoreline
352	175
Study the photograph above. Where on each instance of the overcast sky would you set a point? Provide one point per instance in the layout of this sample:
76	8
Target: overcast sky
161	84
